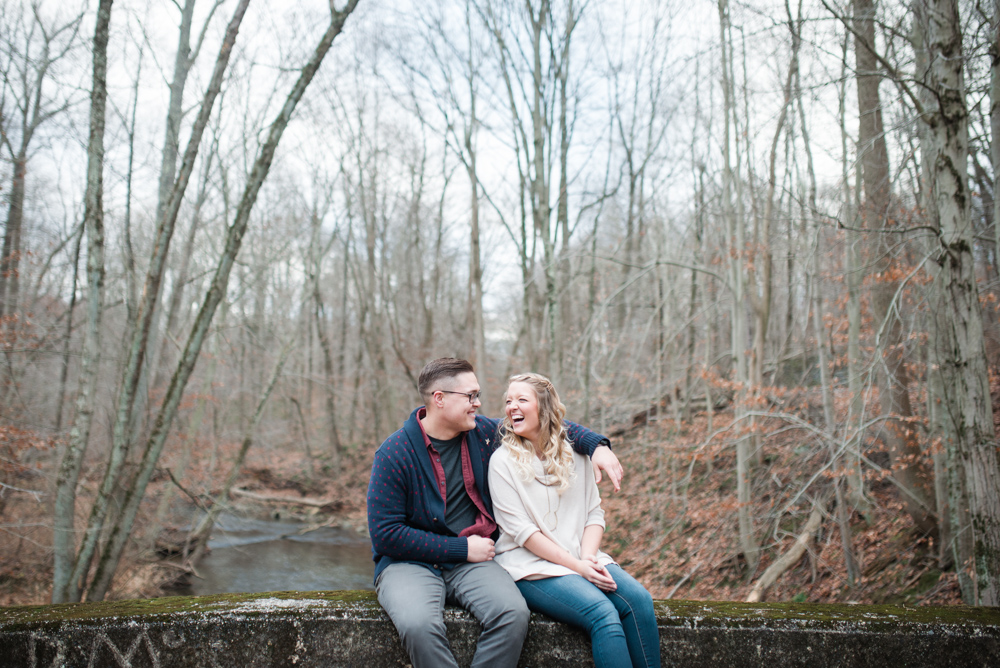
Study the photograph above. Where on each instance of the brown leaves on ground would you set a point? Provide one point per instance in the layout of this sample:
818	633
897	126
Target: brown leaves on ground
674	523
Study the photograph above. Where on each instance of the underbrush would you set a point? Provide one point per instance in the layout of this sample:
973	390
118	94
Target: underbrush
674	523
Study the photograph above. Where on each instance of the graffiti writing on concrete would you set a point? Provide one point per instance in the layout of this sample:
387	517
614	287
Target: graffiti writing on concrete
103	651
123	660
34	639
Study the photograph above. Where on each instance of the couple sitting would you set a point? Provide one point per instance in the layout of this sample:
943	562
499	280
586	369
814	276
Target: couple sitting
449	481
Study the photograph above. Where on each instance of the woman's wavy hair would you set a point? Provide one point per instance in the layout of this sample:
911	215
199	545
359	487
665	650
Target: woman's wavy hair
557	452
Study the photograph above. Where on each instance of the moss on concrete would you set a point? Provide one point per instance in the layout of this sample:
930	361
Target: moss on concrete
821	616
171	606
349	628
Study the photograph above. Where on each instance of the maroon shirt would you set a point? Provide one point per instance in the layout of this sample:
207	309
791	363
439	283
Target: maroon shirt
484	525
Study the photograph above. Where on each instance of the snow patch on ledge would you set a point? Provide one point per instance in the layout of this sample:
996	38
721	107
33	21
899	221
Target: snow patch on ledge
273	604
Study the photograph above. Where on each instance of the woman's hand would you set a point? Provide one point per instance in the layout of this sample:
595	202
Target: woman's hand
596	574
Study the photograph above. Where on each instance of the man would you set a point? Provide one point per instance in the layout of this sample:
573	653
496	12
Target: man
430	516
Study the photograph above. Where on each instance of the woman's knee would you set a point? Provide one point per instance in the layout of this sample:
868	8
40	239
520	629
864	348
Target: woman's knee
640	596
602	615
631	590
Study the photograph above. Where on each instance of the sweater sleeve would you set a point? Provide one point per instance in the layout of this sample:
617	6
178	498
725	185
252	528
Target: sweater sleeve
584	440
592	497
508	504
392	535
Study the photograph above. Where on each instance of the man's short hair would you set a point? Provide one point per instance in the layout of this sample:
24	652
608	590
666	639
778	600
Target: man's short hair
438	370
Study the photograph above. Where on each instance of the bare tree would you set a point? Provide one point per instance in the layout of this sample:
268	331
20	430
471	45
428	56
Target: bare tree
137	343
63	534
735	240
877	216
31	49
317	250
968	410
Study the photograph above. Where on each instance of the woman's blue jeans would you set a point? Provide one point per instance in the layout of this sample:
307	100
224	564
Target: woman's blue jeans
621	624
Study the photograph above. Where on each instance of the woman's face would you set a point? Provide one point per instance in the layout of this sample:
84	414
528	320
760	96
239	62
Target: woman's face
522	410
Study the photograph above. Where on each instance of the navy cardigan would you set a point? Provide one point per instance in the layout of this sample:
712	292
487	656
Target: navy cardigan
405	507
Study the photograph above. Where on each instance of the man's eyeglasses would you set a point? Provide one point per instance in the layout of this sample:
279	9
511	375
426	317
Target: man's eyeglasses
473	396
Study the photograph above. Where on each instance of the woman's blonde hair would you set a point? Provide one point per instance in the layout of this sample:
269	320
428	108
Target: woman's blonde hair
557	454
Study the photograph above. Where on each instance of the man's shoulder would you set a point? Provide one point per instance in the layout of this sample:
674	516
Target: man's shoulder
487	425
401	441
486	435
397	443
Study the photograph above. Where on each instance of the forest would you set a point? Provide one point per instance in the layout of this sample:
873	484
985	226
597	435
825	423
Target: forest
754	243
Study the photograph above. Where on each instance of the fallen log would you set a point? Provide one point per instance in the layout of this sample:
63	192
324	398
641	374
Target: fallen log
790	558
277	498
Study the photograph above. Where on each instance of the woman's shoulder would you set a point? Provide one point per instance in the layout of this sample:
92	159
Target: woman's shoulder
502	455
502	465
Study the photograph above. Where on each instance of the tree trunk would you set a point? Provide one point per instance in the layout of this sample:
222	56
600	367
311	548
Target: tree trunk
563	321
852	277
24	74
748	543
790	558
10	260
541	210
172	327
968	408
995	128
119	534
329	384
70	310
64	586
476	322
909	466
137	346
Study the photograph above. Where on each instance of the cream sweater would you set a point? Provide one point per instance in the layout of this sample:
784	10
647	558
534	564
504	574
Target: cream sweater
523	507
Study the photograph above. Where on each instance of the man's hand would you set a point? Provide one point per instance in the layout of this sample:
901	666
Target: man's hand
604	460
480	549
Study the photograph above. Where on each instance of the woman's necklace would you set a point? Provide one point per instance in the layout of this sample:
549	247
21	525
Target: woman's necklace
552	524
551	517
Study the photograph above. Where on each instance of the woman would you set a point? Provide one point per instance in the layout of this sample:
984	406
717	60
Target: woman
549	511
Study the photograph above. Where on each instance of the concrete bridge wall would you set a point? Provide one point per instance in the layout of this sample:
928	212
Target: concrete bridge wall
349	629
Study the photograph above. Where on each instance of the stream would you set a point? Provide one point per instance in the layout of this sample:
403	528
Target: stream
252	555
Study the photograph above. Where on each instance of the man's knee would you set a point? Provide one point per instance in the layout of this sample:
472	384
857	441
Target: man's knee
506	598
415	626
509	616
516	612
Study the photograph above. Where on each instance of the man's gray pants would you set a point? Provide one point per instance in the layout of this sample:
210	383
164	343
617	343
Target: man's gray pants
414	597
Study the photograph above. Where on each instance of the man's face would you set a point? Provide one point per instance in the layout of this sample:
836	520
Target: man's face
451	397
